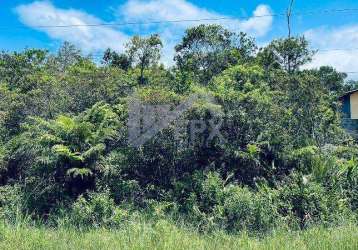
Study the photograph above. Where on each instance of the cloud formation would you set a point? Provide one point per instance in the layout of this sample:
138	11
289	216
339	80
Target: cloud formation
329	39
87	38
140	10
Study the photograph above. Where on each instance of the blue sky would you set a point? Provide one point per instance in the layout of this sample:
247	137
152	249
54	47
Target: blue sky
328	31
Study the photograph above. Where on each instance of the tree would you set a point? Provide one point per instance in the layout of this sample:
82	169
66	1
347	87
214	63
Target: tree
144	52
207	50
17	68
114	59
67	55
350	85
21	78
333	80
287	54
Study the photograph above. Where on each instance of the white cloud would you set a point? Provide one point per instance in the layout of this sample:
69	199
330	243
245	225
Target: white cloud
260	23
163	10
155	10
329	39
89	39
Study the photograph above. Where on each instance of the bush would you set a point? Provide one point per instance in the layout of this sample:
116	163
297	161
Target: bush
97	210
211	192
114	177
11	203
247	210
211	205
310	202
55	161
346	180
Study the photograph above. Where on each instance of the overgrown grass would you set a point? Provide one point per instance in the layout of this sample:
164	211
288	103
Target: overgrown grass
164	235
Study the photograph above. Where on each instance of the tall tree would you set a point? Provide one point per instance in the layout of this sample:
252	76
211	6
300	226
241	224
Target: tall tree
288	54
207	50
113	59
67	55
144	52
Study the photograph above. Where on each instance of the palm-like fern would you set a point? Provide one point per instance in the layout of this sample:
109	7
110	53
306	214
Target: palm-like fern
60	155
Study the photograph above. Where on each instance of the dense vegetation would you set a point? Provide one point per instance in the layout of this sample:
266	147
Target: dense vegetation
285	161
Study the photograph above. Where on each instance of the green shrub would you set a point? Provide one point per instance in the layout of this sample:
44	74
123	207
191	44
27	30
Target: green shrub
310	202
253	211
346	180
113	176
11	203
96	210
211	205
211	191
56	161
198	193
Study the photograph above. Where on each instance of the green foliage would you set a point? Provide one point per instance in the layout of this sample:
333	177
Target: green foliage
288	54
246	210
61	155
144	52
97	210
279	156
212	204
310	202
10	203
67	56
207	50
345	179
113	59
